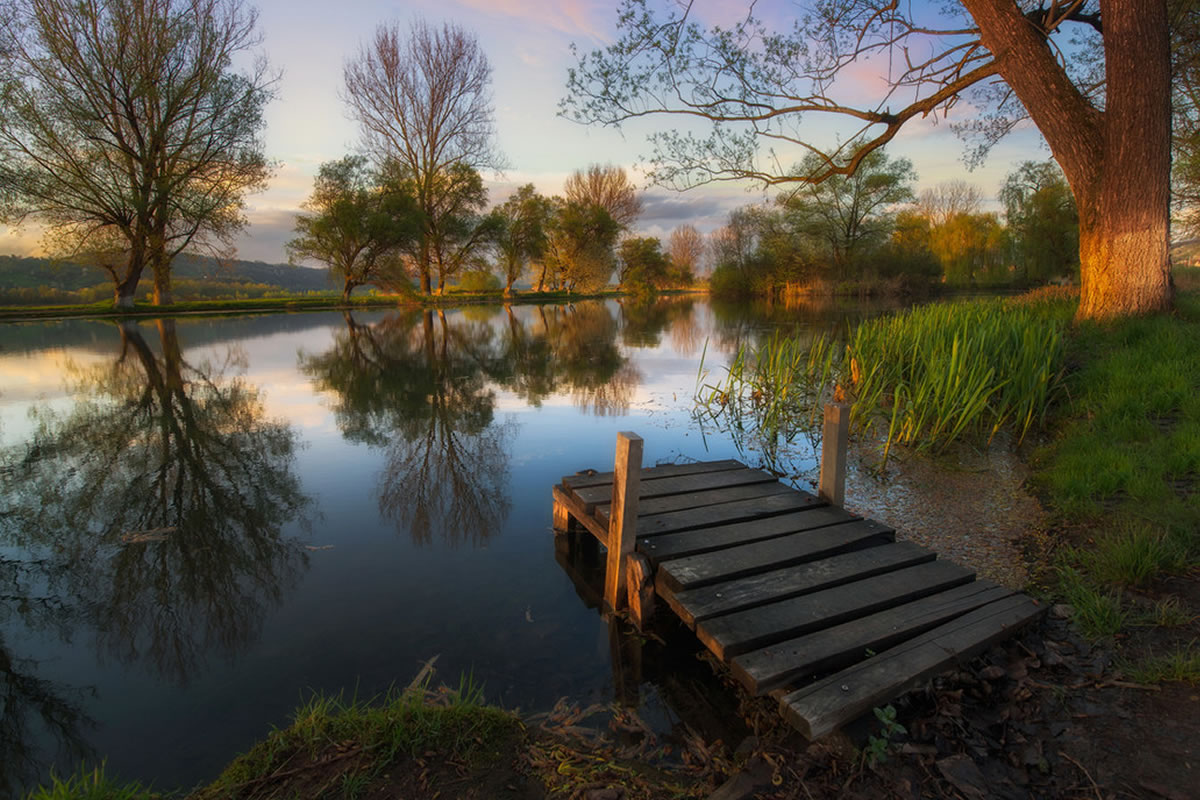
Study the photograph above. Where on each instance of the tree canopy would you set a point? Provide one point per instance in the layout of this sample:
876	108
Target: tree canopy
357	224
1093	76
126	129
422	98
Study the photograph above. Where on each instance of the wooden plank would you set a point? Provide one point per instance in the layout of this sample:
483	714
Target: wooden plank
802	658
692	572
731	634
575	508
591	478
681	484
707	497
689	543
739	511
821	708
621	536
697	605
835	441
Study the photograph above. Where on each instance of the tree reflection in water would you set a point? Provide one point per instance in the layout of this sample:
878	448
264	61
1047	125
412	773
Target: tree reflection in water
152	511
417	385
422	386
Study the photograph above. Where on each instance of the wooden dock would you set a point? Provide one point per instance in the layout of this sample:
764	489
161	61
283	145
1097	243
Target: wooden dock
823	609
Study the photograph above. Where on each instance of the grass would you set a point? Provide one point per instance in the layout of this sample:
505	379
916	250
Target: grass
362	739
91	784
923	378
1123	468
1181	664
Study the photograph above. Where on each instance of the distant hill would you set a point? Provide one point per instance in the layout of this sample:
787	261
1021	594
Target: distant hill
20	272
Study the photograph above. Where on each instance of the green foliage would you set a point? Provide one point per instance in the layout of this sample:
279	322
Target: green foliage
91	784
1098	613
922	378
579	248
1129	441
478	280
850	215
1044	222
358	223
878	747
643	267
520	227
398	724
1133	555
1181	664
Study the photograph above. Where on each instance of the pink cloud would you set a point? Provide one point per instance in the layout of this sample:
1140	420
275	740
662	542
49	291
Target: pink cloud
572	17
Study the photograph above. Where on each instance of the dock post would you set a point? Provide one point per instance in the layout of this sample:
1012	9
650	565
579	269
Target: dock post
622	519
639	580
834	443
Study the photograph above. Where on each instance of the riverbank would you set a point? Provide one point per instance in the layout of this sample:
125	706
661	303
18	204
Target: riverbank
302	303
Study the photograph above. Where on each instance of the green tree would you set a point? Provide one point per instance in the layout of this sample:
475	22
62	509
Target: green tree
756	84
1044	222
422	98
357	224
519	226
973	249
579	246
850	215
643	266
127	131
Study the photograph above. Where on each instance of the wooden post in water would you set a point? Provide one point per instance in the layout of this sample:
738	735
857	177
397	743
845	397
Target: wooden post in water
834	443
622	519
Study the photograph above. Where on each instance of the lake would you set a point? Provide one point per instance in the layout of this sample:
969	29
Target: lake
205	519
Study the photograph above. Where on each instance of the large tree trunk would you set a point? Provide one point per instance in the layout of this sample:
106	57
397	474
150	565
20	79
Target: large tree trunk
1117	160
123	293
1124	235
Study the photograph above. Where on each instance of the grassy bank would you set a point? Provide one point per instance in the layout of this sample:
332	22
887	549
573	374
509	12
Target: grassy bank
284	304
1121	475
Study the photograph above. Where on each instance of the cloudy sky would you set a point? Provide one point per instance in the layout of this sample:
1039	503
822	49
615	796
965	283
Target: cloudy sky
528	43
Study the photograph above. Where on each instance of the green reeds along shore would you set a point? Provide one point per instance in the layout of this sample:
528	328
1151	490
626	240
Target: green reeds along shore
921	378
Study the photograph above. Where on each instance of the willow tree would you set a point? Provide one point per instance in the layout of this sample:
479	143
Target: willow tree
127	130
1094	76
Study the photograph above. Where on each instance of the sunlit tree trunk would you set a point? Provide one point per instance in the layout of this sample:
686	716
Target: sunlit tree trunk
1116	160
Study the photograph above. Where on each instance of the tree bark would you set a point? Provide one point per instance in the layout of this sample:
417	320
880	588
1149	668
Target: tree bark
1117	161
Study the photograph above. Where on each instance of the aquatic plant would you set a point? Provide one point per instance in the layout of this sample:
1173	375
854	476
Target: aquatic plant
923	378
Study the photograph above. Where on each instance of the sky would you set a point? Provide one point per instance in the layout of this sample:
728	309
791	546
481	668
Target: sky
528	44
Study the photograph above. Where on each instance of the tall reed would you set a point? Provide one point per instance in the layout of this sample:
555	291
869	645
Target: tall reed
921	378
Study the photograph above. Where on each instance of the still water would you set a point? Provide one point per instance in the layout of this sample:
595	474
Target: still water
204	520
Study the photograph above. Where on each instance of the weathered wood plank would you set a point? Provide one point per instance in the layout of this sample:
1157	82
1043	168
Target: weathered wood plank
708	497
621	534
584	480
575	508
731	634
692	572
697	605
802	658
834	443
690	543
739	511
818	709
681	484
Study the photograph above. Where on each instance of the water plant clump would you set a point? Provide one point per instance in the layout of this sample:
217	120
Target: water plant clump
921	378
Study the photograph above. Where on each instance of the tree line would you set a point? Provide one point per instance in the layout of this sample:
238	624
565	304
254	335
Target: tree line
871	228
131	131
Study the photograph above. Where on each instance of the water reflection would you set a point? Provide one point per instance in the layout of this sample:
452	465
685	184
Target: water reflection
418	386
422	386
33	708
152	511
